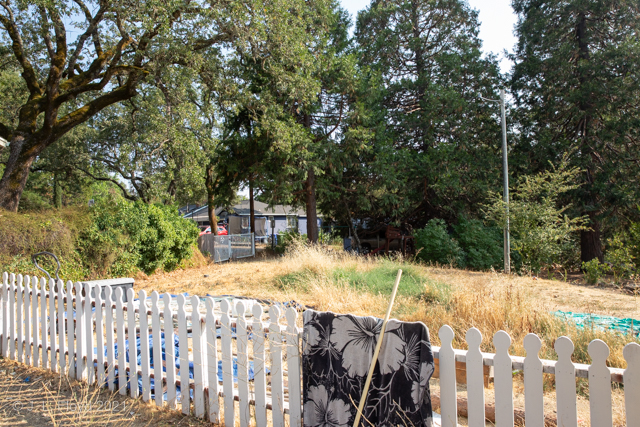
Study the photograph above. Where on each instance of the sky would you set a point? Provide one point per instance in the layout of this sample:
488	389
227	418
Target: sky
496	18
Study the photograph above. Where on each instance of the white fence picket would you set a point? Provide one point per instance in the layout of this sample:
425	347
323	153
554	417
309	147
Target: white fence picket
227	362
599	385
122	351
12	317
144	347
3	312
44	323
109	327
566	403
62	329
19	319
71	348
294	364
533	392
81	366
133	346
448	392
184	356
475	379
259	368
212	363
88	332
5	315
631	379
199	359
35	321
53	323
156	336
170	352
277	383
27	320
243	365
100	357
503	380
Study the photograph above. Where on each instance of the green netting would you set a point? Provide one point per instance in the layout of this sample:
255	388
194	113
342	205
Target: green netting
624	326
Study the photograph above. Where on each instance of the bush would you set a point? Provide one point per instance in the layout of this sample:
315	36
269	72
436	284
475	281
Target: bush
619	256
594	271
482	245
125	237
289	239
434	244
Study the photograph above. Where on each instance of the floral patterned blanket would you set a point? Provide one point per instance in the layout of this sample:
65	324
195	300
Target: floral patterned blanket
337	353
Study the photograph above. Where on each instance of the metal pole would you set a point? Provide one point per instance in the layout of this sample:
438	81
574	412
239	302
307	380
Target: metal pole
505	172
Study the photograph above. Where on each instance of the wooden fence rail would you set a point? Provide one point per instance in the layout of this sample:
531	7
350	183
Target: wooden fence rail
216	363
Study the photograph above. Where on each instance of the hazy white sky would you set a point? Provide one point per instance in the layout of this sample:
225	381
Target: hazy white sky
497	22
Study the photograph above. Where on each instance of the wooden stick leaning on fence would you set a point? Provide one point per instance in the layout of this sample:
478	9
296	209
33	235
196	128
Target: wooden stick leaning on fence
365	390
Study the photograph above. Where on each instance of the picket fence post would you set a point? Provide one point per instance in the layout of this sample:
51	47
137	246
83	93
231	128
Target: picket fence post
227	362
565	376
35	326
448	393
212	363
12	317
199	361
44	322
599	385
27	320
170	352
156	336
62	347
183	347
4	301
259	367
88	330
100	369
503	380
109	328
144	347
475	379
294	364
243	365
71	368
133	345
277	383
631	378
122	349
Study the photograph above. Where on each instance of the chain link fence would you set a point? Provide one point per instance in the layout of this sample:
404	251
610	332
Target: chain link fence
224	248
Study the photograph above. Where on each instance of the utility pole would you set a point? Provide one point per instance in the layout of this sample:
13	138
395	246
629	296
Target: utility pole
505	175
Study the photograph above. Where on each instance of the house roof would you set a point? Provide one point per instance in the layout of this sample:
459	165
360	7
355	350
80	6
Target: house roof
242	209
263	209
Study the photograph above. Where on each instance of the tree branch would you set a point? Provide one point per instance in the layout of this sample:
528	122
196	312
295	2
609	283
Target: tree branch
28	74
125	193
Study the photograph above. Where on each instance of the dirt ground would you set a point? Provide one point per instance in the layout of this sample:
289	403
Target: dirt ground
37	397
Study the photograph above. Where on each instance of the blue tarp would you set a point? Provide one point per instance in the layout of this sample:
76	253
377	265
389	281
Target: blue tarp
177	363
624	326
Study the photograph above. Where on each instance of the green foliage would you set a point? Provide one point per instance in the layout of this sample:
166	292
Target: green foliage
482	245
436	245
620	258
540	228
594	270
288	240
125	237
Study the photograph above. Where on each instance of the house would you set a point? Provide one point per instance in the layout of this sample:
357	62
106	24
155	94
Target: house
237	218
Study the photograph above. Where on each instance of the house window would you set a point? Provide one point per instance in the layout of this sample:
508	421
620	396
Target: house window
292	223
245	222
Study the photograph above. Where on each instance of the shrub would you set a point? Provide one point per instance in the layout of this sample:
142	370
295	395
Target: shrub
594	271
434	244
619	257
125	237
541	229
482	245
289	239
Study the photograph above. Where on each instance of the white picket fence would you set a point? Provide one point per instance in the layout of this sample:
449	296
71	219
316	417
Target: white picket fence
55	327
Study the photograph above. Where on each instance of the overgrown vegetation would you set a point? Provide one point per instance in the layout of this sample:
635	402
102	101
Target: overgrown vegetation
349	283
113	238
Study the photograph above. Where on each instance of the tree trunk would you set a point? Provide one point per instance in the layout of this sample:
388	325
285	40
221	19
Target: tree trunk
16	172
211	207
57	191
310	201
252	215
590	242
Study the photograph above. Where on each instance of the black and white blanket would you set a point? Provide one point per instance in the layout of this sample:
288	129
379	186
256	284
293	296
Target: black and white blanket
337	353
